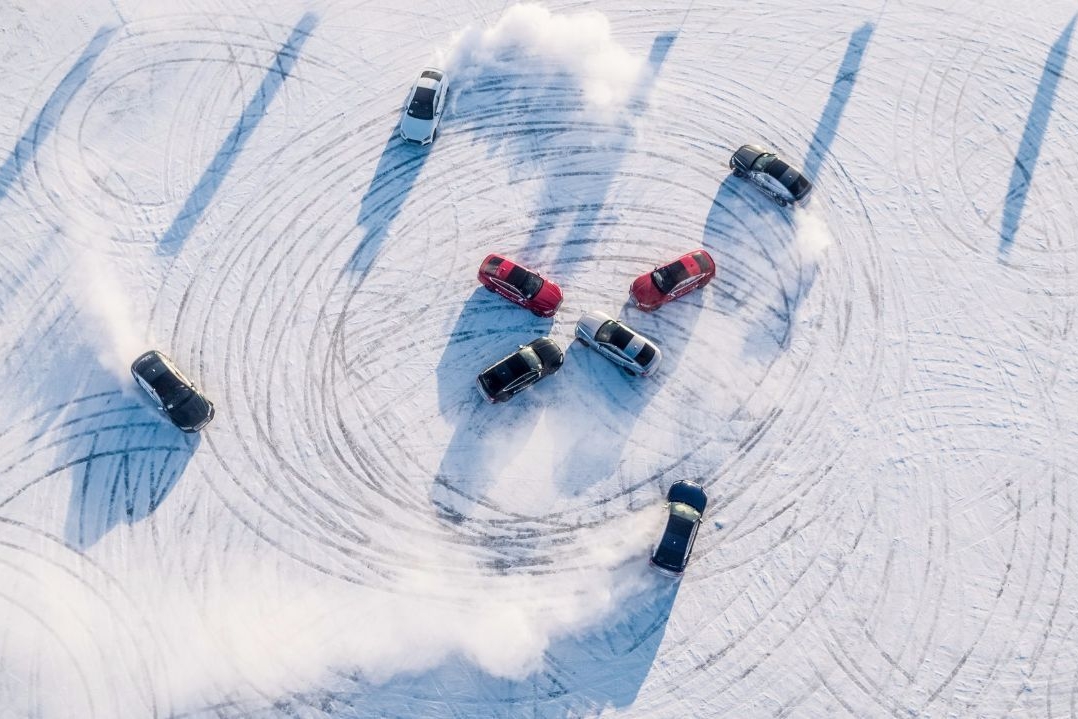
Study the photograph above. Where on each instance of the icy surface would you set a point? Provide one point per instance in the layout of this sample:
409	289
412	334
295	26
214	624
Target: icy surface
878	392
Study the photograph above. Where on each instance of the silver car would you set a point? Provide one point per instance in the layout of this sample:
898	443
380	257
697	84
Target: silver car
423	108
619	343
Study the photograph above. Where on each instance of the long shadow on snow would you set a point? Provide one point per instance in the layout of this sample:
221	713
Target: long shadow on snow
484	439
760	276
393	180
593	182
42	126
841	88
1029	149
222	162
581	675
125	458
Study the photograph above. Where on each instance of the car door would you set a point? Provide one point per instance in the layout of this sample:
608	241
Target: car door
507	290
520	383
686	285
439	101
692	541
150	391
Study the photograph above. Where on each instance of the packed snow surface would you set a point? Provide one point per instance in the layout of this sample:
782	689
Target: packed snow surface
877	391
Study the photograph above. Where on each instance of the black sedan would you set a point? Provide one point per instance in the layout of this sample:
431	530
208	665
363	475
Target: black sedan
775	177
520	370
174	394
685	503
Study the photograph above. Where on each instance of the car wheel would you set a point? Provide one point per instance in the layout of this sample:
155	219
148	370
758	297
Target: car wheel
626	370
737	172
782	202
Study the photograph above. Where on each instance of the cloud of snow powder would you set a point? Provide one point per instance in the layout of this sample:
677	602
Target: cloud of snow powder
250	632
530	39
812	234
106	310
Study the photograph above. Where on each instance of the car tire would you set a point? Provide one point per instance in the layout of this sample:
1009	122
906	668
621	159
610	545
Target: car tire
782	202
737	172
631	373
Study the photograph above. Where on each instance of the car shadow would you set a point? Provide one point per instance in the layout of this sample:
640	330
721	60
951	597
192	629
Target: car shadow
45	122
394	177
761	278
485	436
587	673
1029	148
202	194
124	458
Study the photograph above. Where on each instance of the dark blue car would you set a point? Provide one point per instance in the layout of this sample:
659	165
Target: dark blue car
685	503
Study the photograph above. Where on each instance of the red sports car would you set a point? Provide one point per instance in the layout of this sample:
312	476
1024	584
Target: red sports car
520	285
686	273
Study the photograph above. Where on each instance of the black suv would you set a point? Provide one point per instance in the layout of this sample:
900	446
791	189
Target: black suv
174	394
685	504
775	177
520	370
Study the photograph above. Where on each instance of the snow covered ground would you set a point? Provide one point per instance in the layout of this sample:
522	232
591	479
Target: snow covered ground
878	393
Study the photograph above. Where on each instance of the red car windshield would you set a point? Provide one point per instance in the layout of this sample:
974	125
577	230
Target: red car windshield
669	277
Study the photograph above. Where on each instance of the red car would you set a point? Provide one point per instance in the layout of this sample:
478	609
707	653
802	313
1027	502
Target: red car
686	273
520	285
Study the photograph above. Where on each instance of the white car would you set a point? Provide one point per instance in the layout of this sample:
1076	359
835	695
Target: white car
423	109
619	343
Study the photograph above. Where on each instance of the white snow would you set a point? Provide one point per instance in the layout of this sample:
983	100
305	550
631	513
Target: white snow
877	391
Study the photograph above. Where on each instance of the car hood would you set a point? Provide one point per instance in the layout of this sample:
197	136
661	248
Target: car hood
645	291
191	413
590	322
549	297
747	154
414	128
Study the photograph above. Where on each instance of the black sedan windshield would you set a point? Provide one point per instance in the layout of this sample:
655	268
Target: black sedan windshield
798	185
501	375
422	105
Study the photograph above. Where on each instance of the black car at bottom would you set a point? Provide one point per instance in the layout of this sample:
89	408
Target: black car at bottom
775	177
520	370
685	503
174	394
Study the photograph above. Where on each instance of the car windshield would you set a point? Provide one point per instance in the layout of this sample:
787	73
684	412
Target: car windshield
798	185
528	283
190	412
511	368
432	74
492	265
644	356
615	334
706	265
669	277
763	162
422	105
